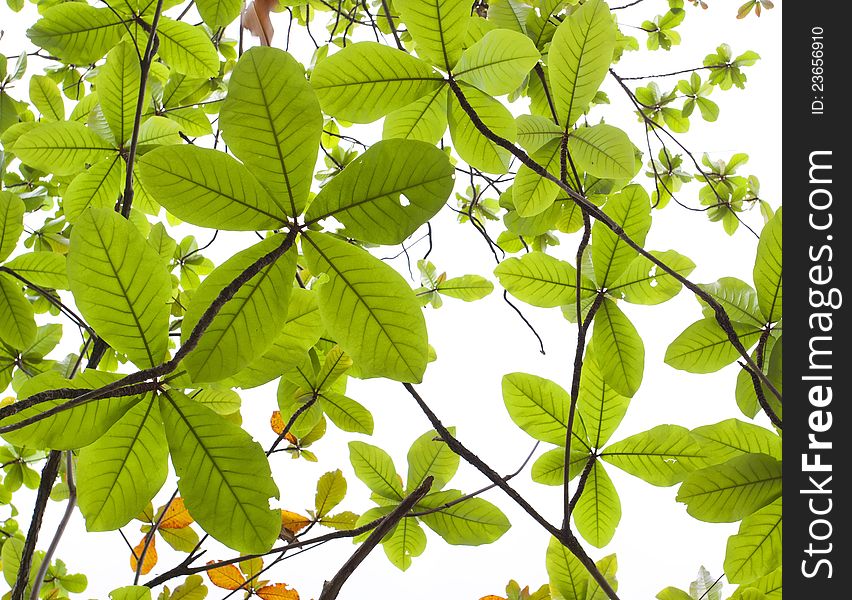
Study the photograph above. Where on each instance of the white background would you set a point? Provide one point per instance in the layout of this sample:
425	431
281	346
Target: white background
657	543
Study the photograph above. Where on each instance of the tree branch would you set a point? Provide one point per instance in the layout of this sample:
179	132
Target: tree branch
332	588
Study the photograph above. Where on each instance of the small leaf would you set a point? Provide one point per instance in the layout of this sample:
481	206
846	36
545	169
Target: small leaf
331	489
375	468
430	455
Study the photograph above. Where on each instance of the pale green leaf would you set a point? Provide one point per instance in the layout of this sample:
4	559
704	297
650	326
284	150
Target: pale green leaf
662	456
580	56
472	522
704	347
77	33
608	566
755	550
768	271
620	351
424	119
600	406
369	309
120	285
208	188
430	455
45	95
271	120
533	194
118	83
437	27
45	269
541	280
249	322
62	148
540	407
733	490
603	151
549	468
346	413
224	476
569	579
187	49
218	13
535	131
598	511
97	187
367	80
406	541
630	209
17	319
643	282
375	468
131	592
737	297
119	474
732	437
471	145
388	192
331	489
498	63
466	287
11	222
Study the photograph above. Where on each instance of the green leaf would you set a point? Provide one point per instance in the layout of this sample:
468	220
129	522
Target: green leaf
387	193
367	80
224	476
271	120
727	439
755	550
737	298
131	592
643	282
437	27
11	558
533	194
12	210
17	320
218	13
704	347
535	131
375	468
541	280
603	151
120	285
62	148
118	83
424	119
249	322
600	406
331	489
119	474
580	55
662	456
187	49
346	414
673	593
158	131
620	351
769	585
608	566
430	455
192	121
369	309
498	63
192	588
97	187
73	428
598	510
78	34
768	271
508	14
473	147
406	541
733	490
611	256
208	188
549	468
44	94
540	407
569	579
466	287
45	269
472	522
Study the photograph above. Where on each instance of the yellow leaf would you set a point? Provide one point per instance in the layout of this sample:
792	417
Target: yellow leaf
277	591
276	422
492	598
176	517
226	576
150	558
294	521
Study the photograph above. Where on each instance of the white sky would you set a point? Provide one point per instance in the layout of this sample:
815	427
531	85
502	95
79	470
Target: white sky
657	543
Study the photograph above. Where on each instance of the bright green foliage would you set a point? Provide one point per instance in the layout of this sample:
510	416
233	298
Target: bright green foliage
732	490
11	222
472	146
62	147
118	85
437	27
722	441
580	54
631	209
539	407
755	550
541	280
120	473
662	456
599	509
375	468
388	192
369	309
767	270
218	13
424	119
96	187
44	94
366	81
429	455
405	542
498	63
271	120
704	346
187	49
77	34
643	282
603	151
569	579
472	522
248	324
17	321
621	353
208	452
600	406
120	286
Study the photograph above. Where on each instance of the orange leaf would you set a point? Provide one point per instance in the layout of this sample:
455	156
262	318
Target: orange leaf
294	521
492	598
276	422
150	558
277	591
228	577
257	20
176	517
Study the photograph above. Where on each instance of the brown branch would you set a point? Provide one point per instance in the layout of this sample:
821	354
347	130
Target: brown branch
721	316
332	588
392	25
581	484
48	476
